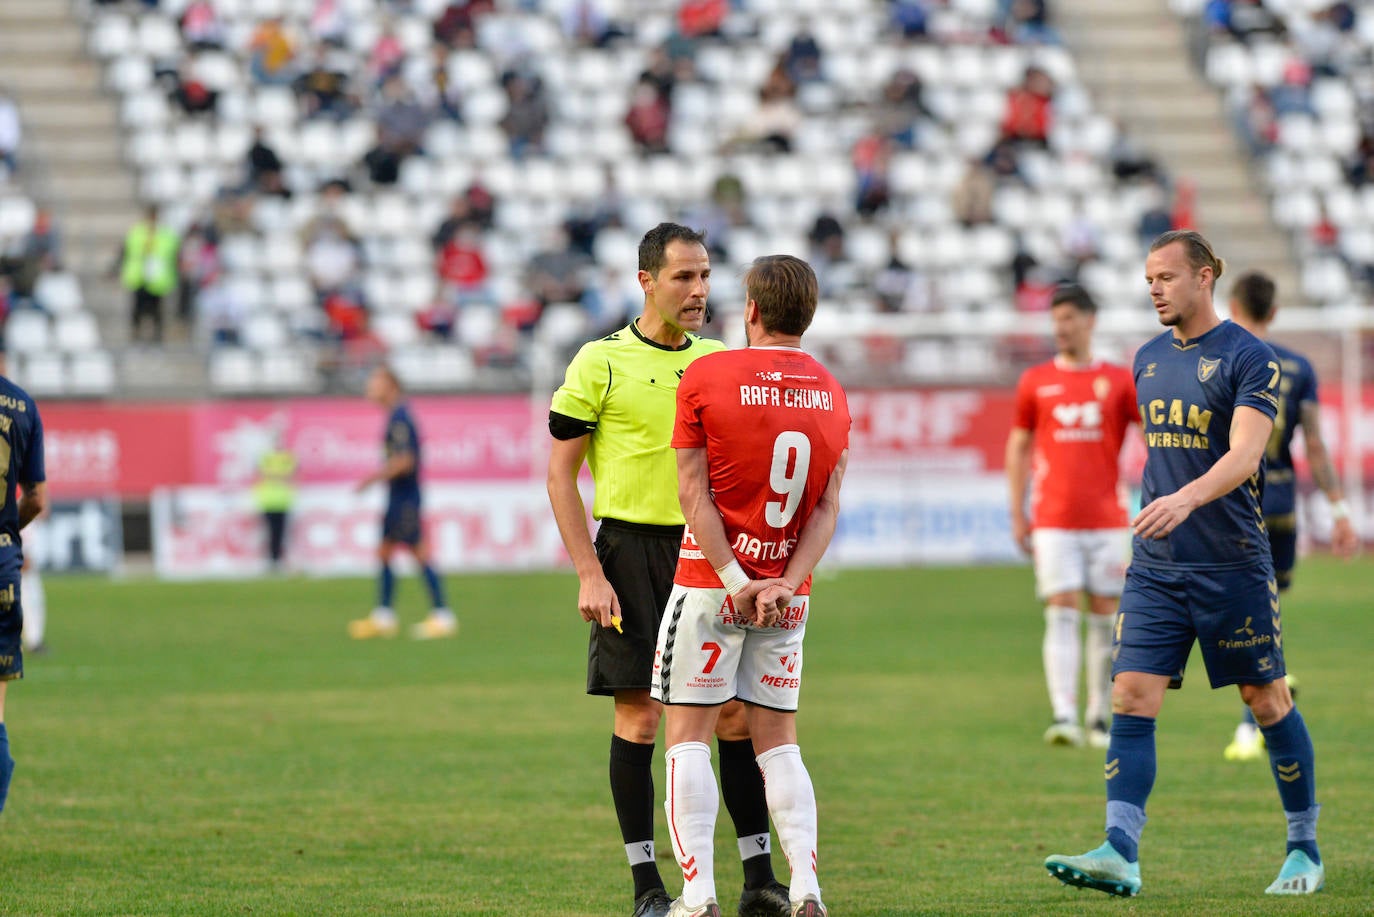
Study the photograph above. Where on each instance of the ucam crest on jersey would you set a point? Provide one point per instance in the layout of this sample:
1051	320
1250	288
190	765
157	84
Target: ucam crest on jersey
1206	368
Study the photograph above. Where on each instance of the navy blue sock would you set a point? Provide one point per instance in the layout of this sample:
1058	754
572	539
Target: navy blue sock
6	766
1130	773
1295	773
434	585
386	586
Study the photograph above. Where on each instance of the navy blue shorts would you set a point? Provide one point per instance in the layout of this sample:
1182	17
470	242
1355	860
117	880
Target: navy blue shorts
1283	546
1232	614
402	522
11	628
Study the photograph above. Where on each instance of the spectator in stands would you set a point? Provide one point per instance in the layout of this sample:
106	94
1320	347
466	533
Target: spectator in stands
1029	109
587	217
1027	22
190	92
902	288
1248	18
456	26
264	167
438	319
200	26
1292	95
1155	218
701	18
197	261
147	268
661	70
1360	168
836	274
1129	159
911	17
333	257
461	266
272	53
1256	121
648	117
220	311
555	272
1081	241
585	23
329	23
609	302
527	114
438	91
401	125
25	259
1005	163
388	54
872	158
460	216
10	134
323	89
971	199
777	118
802	59
901	109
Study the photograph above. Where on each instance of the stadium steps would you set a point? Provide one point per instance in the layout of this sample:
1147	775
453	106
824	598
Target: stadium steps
1134	57
73	158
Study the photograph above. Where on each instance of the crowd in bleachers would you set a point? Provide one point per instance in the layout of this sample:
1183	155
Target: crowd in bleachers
1299	79
441	180
50	340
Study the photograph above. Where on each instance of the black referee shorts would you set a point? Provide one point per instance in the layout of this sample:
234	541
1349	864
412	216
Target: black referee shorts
639	561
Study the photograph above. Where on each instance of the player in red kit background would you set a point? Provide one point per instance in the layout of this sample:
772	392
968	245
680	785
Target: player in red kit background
1072	414
762	438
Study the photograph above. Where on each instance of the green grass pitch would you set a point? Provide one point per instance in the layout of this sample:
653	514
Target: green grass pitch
224	749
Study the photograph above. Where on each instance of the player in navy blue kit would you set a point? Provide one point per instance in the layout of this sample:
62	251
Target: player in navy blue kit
1253	308
402	525
1200	565
21	462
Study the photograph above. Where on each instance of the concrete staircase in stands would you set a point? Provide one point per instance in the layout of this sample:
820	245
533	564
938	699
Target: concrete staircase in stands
1134	57
72	162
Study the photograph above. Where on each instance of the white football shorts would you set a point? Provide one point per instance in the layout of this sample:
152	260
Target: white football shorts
1075	560
706	656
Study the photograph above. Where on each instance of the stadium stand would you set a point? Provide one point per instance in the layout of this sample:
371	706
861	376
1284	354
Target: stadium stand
52	341
1297	77
448	183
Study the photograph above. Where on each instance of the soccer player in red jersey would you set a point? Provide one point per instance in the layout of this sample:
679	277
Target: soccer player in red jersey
762	439
1071	418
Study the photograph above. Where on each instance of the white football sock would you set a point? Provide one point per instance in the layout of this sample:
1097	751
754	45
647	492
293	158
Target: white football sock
692	803
1062	653
35	605
1097	648
792	803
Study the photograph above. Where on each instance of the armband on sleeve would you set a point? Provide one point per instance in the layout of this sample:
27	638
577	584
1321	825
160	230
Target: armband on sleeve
561	426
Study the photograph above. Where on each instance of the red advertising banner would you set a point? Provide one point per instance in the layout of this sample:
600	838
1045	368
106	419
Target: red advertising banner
126	450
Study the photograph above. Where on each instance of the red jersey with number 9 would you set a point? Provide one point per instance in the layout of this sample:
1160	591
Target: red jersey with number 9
773	422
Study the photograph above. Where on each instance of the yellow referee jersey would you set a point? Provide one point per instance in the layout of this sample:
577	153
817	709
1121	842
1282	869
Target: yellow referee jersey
624	387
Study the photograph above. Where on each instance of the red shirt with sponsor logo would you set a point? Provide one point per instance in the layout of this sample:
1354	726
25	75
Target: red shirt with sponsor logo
1077	417
773	422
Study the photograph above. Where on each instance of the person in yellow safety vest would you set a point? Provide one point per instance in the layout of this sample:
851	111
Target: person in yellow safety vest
148	270
275	495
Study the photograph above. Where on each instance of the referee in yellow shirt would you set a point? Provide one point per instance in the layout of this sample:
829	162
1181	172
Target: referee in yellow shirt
615	412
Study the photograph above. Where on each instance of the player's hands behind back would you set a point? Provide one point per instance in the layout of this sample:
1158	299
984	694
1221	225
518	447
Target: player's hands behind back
767	600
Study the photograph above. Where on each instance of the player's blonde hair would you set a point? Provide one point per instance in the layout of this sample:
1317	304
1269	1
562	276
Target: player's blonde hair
1198	250
786	290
